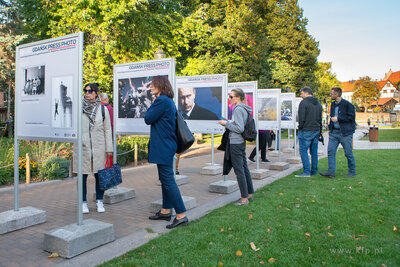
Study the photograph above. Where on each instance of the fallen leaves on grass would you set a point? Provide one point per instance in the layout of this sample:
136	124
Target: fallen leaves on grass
220	264
253	247
239	253
329	234
395	228
271	260
250	216
269	229
308	234
262	262
281	194
328	228
222	229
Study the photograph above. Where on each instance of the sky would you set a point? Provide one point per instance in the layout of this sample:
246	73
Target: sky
360	37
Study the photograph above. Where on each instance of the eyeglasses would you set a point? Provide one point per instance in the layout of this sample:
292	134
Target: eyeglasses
88	91
231	96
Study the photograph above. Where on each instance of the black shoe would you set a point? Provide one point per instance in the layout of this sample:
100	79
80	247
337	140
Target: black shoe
177	173
265	160
327	174
181	222
161	216
252	159
271	149
349	175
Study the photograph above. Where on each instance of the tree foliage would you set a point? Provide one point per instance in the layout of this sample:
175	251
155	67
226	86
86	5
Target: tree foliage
263	40
326	80
365	90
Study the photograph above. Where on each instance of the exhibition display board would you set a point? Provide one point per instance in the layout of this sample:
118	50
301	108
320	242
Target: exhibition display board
297	100
132	95
268	104
48	89
202	101
250	90
288	110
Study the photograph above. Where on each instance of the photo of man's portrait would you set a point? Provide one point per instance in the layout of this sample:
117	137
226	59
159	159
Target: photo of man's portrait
202	103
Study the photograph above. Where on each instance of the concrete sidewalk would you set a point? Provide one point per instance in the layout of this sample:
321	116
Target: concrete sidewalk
130	217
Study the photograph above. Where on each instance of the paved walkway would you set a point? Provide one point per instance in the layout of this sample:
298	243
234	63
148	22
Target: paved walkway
59	200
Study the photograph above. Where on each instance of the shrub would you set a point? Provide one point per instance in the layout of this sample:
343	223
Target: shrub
396	124
54	168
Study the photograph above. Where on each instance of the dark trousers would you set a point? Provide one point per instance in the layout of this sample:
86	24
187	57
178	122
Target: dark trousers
171	196
239	164
99	192
262	139
269	139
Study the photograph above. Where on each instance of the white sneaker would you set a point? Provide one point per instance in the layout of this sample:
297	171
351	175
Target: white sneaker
85	208
100	206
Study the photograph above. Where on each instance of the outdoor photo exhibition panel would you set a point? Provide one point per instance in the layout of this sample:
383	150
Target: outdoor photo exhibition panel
288	110
249	89
298	100
132	95
268	104
199	99
48	89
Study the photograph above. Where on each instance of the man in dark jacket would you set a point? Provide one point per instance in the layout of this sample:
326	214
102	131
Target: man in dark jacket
310	125
341	128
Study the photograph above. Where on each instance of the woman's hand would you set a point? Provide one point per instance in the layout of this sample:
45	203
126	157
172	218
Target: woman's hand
222	122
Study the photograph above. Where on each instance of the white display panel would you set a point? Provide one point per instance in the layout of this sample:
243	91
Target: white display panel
48	84
288	110
202	101
298	100
268	105
132	95
249	89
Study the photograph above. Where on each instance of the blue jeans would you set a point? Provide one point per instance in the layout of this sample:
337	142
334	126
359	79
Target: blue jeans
99	192
309	140
171	196
336	138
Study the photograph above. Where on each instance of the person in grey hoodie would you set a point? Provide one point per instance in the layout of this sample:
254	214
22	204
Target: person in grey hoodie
310	127
237	145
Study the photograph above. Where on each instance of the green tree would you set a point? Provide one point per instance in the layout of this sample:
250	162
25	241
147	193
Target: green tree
366	91
224	37
326	80
293	58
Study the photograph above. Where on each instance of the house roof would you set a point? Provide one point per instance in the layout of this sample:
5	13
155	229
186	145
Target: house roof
348	86
382	101
381	84
394	78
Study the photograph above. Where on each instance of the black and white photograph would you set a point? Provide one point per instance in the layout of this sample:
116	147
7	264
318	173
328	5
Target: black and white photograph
33	81
134	97
267	109
61	115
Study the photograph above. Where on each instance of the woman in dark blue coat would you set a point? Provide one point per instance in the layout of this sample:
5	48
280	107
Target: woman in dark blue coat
162	147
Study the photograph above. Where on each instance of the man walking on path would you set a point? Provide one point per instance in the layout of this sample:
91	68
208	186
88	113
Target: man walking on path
341	129
310	126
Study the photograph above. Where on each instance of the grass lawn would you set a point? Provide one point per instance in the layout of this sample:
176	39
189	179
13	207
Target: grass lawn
295	222
390	135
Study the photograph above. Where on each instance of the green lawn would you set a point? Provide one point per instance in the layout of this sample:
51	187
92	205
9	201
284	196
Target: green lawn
390	135
295	222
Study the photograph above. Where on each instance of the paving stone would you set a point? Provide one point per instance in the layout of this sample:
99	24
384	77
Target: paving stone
14	220
259	174
179	179
288	150
223	187
72	240
190	203
273	153
279	166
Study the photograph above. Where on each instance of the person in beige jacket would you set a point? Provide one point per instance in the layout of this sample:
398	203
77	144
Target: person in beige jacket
97	142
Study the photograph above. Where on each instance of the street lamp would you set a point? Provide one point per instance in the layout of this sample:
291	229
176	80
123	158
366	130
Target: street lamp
159	54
